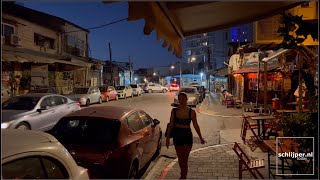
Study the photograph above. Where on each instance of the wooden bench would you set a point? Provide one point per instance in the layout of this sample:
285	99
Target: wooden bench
248	164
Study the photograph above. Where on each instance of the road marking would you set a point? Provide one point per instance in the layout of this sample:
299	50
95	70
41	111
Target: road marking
166	170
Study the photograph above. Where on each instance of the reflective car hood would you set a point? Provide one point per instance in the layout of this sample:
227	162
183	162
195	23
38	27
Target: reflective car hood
76	96
9	115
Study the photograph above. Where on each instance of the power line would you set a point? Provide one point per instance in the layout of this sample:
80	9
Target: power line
114	22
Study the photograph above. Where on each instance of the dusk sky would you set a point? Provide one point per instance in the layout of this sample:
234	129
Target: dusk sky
126	38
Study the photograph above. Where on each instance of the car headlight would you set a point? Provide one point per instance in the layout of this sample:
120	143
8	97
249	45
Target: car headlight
5	125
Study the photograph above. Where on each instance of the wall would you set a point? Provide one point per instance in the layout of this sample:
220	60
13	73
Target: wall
25	30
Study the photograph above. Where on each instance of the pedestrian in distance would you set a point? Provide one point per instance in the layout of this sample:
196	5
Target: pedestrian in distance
179	126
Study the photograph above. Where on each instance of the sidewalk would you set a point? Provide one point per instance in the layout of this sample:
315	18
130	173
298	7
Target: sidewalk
216	161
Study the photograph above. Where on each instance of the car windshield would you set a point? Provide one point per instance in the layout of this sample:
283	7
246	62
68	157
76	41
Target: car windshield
133	85
102	89
120	87
80	90
187	90
87	131
20	103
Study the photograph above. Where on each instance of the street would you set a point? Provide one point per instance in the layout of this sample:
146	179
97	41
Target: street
211	119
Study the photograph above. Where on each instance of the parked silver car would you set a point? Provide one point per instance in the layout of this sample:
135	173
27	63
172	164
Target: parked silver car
40	111
36	155
192	93
136	89
86	95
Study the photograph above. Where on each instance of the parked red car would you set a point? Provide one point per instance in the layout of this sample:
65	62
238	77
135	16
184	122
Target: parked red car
108	93
112	142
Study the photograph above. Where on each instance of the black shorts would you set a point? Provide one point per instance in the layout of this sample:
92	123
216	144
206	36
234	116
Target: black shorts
182	137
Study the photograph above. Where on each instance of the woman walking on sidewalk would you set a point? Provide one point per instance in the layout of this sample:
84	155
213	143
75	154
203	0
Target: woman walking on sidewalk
180	120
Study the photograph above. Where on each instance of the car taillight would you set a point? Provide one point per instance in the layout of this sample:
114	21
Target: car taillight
79	104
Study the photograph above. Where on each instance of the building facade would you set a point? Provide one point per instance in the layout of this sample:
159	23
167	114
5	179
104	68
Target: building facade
40	50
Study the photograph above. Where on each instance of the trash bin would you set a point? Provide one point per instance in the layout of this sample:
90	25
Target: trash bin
275	103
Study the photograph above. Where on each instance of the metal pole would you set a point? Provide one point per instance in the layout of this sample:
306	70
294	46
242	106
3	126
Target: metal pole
265	102
300	83
180	72
130	68
110	55
258	82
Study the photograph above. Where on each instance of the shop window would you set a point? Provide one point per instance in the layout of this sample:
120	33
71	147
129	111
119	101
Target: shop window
43	41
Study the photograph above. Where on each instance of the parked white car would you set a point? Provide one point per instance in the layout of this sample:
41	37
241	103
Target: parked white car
150	88
36	155
86	95
124	91
136	89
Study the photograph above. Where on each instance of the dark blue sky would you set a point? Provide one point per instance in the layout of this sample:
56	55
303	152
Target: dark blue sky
126	38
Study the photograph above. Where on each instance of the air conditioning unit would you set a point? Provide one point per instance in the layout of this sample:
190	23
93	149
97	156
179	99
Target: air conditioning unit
3	40
15	40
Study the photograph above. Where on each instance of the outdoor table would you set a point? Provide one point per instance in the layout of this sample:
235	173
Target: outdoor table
262	119
252	114
286	146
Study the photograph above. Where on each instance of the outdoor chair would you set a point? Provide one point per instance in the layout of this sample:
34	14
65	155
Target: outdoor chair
249	126
248	164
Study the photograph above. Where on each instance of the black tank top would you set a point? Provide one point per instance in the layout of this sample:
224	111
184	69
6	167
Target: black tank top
186	121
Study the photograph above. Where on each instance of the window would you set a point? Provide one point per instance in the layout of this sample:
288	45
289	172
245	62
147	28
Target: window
59	100
146	119
7	31
75	46
43	41
134	122
45	102
25	168
54	169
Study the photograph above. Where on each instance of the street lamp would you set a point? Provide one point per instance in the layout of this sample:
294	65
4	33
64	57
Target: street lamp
172	67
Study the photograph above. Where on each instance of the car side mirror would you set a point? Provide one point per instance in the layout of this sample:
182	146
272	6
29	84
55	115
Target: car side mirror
155	122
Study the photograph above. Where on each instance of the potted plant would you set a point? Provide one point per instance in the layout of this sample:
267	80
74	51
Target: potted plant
25	84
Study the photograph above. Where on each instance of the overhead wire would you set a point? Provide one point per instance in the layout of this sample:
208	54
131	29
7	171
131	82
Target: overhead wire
114	22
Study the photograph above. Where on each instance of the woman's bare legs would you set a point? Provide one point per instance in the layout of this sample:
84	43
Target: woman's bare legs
183	156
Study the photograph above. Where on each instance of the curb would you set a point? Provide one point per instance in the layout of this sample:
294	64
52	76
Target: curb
165	171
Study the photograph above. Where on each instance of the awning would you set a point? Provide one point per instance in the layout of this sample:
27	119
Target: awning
175	20
254	69
26	57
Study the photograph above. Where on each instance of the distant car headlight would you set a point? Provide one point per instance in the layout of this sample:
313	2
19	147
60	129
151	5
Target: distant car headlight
5	125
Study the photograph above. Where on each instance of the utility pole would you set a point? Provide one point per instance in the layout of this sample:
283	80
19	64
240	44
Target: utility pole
208	68
180	72
110	55
130	70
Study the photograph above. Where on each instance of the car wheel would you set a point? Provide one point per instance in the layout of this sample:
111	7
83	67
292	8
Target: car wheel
23	126
150	91
132	95
117	97
133	171
100	100
163	90
107	98
88	102
125	96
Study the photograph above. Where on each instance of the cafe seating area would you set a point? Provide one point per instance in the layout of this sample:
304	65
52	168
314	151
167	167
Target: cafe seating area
261	128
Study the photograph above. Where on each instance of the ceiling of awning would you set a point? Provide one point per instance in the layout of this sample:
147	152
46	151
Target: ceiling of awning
175	20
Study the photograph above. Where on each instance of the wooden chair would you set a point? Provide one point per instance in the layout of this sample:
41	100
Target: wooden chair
248	164
246	125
